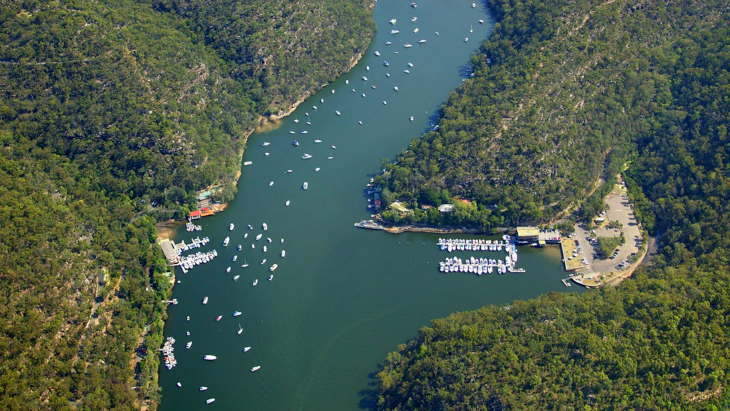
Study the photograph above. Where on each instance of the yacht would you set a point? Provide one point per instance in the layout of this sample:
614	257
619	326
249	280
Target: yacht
386	64
295	143
466	39
305	185
363	94
205	300
178	384
292	131
245	349
230	227
305	131
209	400
407	71
187	346
481	21
236	313
414	18
218	318
274	267
265	143
314	107
210	358
471	29
283	253
306	156
264	248
408	45
367	68
264	226
364	78
258	237
421	41
256	281
377	53
317	169
225	242
236	277
203	388
245	264
256	368
271	277
411	119
239	246
415	30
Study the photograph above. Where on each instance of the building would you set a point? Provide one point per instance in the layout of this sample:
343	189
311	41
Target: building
194	215
446	208
399	207
527	235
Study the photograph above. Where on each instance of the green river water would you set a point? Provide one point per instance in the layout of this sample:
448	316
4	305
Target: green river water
343	297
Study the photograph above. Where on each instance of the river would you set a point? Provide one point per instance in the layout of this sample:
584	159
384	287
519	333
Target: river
342	297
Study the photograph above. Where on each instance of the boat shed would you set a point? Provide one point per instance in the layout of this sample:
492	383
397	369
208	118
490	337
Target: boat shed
528	234
194	215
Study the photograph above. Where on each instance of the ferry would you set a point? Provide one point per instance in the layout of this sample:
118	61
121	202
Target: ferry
218	318
236	313
245	349
305	185
273	267
209	400
256	368
230	227
225	242
256	281
205	300
210	358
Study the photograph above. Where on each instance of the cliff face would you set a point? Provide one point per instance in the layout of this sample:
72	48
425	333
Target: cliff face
112	115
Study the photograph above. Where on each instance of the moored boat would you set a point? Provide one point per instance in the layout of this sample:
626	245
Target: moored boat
209	400
305	185
218	318
264	226
230	227
273	267
256	281
236	313
225	242
245	349
210	357
205	300
256	368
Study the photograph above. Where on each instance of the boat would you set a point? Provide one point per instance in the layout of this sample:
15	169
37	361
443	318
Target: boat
481	21
367	68
407	71
437	33
256	368
218	318
287	202
377	53
178	384
245	264
410	64
258	237
188	318
466	39
364	78
247	163
414	5
421	41
411	119
321	100
292	131
264	248
225	242
363	94
210	358
415	30
385	102
317	141
333	92
250	227
408	45
306	156
330	158
392	21
283	253
188	345
471	29
338	113
235	257
271	183
394	31
230	227
205	300
317	169
236	277
209	400
203	388
386	64
228	270
414	18
388	43
314	107
263	261
266	154
256	281
305	131
264	226
265	143
395	88
473	5
296	120
271	277
245	349
236	313
305	185
282	241
333	146
274	267
295	143
239	246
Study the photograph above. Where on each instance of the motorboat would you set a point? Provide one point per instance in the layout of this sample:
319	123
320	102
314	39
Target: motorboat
333	92
473	5
295	143
363	94
392	21
292	132
240	246
266	154
385	102
367	68
225	242
250	227
305	185
377	53
364	78
410	64
330	158
314	107
415	30
235	257
296	120
283	253
271	277
188	345
256	281
263	261
386	64
338	113
466	39
317	141
271	183
178	384
408	45
236	313
306	156
388	43
421	41
481	21
317	169
414	18
247	163
228	270
274	267
471	29
236	277
407	71
188	318
210	358
282	241
264	248
287	202
258	237
245	349
395	88
411	119
256	368
245	264
218	318
230	227
373	87
209	400
205	301
321	100
268	239
305	131
394	31
414	5
265	143
203	388
334	147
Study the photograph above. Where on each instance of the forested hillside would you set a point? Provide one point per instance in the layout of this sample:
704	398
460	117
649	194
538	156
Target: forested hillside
556	103
112	115
658	341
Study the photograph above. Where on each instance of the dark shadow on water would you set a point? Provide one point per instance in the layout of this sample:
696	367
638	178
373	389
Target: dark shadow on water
369	400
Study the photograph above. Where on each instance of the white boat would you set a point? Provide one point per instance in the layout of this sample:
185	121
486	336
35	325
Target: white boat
271	184
466	39
414	18
415	30
264	248
481	21
388	43
333	147
218	318
287	202
245	235
395	88
210	358
230	227
178	384
245	264
266	143
330	158
266	154
367	68
283	253
317	141
225	242
236	277
235	257
414	5
377	53
256	368
271	277
256	281
203	388
253	246
317	169
240	329
314	107
363	94
228	270
209	400
305	131
473	5
296	120
263	261
250	227
386	64
240	246
305	185
338	113
245	349
321	100
274	267
258	237
306	156
408	45
437	33
188	345
392	21
247	163
333	92
292	131
385	102
394	31
410	64
407	71
205	300
421	41
282	241
347	81
411	119
471	29
236	313
364	78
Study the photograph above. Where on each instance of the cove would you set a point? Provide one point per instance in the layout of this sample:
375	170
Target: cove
342	297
